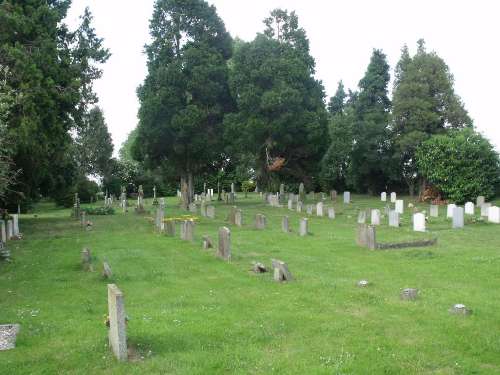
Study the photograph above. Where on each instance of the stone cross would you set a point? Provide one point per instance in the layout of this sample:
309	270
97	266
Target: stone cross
419	222
224	250
285	225
117	323
281	272
458	217
303	227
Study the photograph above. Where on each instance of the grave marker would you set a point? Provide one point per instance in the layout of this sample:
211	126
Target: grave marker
281	272
393	197
375	217
211	212
419	222
485	208
224	249
260	221
449	210
400	206
303	227
117	323
347	197
238	218
383	196
394	218
207	242
494	215
285	224
319	209
458	217
469	208
434	210
331	213
480	201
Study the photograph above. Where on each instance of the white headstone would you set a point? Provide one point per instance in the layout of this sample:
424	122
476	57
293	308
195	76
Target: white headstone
469	208
449	210
319	209
400	206
480	200
434	210
303	227
347	197
331	213
375	217
494	215
419	222
393	197
458	217
394	219
485	207
383	196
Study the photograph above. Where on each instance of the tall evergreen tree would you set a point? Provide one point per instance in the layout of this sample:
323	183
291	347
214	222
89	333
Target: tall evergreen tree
424	103
370	129
51	70
186	93
281	117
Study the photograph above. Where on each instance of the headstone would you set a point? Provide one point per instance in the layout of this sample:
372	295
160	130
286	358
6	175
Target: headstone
8	336
10	230
469	208
259	267
371	238
224	250
362	217
299	206
333	195
460	309
106	271
319	209
361	234
400	206
383	196
393	197
192	207
480	201
458	217
260	221
409	294
449	210
303	227
302	192
290	204
4	252
309	209
117	323
211	212
375	217
281	272
331	213
347	197
494	215
207	242
231	198
231	217
86	260
3	231
238	218
394	219
419	222
434	210
232	188
15	224
485	208
187	230
285	224
83	219
170	228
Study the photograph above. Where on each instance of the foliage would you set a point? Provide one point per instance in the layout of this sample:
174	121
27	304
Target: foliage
51	70
101	211
125	152
7	98
280	116
462	165
247	186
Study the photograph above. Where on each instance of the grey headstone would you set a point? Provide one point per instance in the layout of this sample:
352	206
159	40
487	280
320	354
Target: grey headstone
106	271
281	272
211	212
207	243
347	197
409	294
299	206
304	227
238	218
458	217
187	230
331	213
117	323
224	249
285	225
260	221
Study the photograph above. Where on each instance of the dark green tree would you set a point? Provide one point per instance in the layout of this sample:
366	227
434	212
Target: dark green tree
281	117
424	103
186	93
370	128
51	70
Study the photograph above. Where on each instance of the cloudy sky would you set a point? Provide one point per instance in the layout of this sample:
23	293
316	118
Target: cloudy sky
342	35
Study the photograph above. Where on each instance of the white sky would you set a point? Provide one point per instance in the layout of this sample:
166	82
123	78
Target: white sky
342	35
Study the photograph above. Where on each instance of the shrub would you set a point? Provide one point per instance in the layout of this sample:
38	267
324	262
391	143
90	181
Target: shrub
99	211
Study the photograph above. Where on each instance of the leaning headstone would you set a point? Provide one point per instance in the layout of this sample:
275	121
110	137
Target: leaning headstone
485	208
260	221
211	212
400	206
458	217
170	228
419	222
86	260
319	209
303	227
8	336
383	196
106	271
460	309
285	224
394	218
494	215
434	210
409	294
224	249
3	231
393	197
207	242
449	210
347	197
238	218
480	201
469	208
375	217
281	272
331	213
299	206
117	323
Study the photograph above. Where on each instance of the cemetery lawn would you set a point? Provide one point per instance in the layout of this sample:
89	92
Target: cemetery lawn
191	313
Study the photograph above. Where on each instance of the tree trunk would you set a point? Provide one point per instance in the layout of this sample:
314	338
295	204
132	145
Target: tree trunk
190	187
411	189
184	193
421	187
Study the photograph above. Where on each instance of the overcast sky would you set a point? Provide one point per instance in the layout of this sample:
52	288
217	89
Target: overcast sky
342	35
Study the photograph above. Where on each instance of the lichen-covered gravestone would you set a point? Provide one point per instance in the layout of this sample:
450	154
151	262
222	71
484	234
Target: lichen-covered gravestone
8	336
117	323
260	221
281	272
224	250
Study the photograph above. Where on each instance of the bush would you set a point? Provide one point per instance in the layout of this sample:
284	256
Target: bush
99	211
462	165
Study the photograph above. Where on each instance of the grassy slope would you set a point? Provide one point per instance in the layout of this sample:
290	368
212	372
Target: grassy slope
191	313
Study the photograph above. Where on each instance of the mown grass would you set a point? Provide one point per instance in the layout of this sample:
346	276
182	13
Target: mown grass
191	313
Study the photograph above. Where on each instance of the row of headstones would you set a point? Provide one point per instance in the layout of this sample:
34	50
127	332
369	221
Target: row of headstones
320	209
276	199
9	229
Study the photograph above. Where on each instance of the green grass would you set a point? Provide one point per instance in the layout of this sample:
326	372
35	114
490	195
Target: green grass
191	313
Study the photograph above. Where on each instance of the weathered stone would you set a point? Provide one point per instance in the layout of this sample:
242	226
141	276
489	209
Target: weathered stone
281	272
260	221
309	209
480	201
363	283
170	228
259	267
3	231
224	249
117	323
362	217
383	196
238	218
333	195
207	242
290	204
86	260
449	210
458	217
331	213
434	210
319	209
347	197
106	271
304	227
399	206
8	336
361	234
203	209
285	225
393	219
485	209
494	215
460	309
419	222
211	212
371	239
231	217
393	197
187	230
192	208
375	217
299	206
409	294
